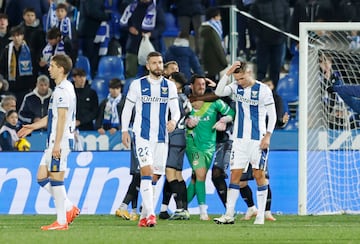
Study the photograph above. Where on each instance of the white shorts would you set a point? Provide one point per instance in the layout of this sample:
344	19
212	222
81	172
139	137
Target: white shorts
151	153
55	165
245	151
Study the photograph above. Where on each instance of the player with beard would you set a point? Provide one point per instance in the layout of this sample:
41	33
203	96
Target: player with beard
153	97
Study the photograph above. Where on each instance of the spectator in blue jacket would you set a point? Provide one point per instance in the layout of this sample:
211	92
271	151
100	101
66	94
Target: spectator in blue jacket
186	58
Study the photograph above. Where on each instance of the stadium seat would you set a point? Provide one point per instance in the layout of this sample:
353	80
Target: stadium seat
83	63
288	88
101	86
127	85
172	29
111	67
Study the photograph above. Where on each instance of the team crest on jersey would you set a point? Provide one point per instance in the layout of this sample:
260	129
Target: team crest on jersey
60	99
254	94
164	90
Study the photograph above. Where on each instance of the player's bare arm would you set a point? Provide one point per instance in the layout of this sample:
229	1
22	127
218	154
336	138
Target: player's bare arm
27	129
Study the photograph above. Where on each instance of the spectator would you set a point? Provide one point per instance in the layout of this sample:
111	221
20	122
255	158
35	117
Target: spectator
108	118
311	11
63	22
8	136
36	103
191	13
92	14
55	45
213	54
4	32
133	19
34	35
270	44
4	88
8	103
170	67
87	101
186	58
16	65
15	8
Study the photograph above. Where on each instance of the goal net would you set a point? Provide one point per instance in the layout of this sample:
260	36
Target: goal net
329	135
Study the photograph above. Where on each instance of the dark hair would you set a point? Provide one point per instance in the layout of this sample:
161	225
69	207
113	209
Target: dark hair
10	112
3	16
26	10
153	54
115	83
17	30
78	72
184	35
53	33
242	68
63	60
267	79
196	76
61	6
212	12
179	78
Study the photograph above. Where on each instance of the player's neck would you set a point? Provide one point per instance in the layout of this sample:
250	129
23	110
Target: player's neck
59	79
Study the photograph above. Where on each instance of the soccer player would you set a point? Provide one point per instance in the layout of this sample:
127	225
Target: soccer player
60	123
153	97
251	136
201	139
177	145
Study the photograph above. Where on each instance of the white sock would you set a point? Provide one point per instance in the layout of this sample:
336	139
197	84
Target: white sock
163	208
232	196
60	197
261	195
154	192
68	203
123	206
203	208
146	191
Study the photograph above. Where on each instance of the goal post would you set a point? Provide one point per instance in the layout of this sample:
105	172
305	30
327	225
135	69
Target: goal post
329	160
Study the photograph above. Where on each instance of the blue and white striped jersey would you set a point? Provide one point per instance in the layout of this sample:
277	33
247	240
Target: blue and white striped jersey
152	100
251	102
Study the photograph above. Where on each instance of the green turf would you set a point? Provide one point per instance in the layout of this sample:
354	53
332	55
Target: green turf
110	229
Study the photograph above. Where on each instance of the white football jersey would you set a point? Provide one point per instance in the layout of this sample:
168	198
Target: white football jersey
151	99
62	97
250	120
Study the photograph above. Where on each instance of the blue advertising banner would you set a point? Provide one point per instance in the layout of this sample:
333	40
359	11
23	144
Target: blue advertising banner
97	182
93	141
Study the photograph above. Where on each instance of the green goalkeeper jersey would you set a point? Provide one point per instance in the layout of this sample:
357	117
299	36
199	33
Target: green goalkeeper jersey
203	135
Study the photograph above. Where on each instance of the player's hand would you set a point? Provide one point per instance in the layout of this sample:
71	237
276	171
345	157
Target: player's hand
265	141
233	67
112	131
171	124
56	152
220	126
101	131
125	138
285	118
25	130
191	122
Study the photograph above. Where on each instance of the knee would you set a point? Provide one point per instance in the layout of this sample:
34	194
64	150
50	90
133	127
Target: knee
216	173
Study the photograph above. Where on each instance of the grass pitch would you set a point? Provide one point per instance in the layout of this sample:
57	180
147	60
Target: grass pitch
111	229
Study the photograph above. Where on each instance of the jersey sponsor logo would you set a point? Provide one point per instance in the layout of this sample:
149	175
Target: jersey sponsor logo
148	99
243	99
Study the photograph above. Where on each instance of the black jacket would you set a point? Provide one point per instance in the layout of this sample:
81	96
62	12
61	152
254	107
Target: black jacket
274	12
86	107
